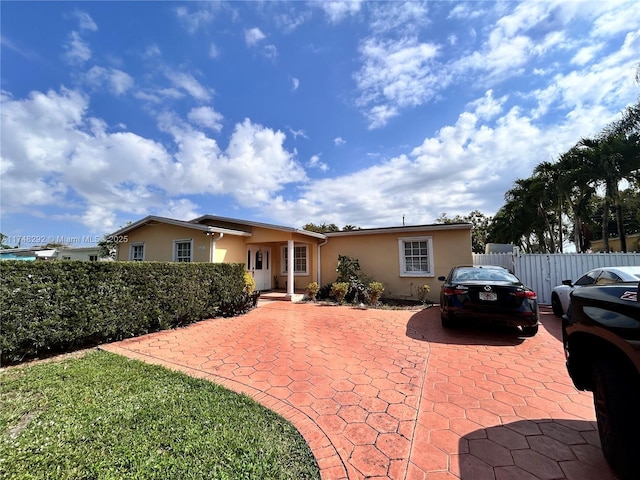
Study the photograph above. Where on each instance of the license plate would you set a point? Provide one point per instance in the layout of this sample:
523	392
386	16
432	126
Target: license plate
488	296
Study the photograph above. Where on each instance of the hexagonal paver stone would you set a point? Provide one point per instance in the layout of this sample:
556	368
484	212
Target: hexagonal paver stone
561	433
393	445
507	438
383	422
360	433
370	461
353	414
541	466
490	452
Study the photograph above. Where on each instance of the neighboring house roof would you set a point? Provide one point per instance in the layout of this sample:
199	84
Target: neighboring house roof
407	229
28	252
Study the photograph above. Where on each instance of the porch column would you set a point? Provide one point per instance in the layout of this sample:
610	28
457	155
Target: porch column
290	266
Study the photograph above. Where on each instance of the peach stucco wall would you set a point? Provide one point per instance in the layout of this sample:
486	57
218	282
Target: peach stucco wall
158	246
158	242
276	239
378	253
379	259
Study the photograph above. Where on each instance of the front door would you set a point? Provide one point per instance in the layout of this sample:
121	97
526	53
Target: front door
259	264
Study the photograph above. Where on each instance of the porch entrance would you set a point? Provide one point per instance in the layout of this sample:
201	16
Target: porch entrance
259	264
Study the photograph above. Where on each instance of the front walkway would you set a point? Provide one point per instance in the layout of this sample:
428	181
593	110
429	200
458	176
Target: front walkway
389	394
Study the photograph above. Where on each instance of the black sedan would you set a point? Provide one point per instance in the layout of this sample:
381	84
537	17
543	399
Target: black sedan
488	294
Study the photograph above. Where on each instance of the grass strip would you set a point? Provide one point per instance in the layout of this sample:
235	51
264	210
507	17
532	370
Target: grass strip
106	417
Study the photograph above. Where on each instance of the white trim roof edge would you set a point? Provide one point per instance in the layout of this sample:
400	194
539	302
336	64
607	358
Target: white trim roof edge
259	224
179	223
408	229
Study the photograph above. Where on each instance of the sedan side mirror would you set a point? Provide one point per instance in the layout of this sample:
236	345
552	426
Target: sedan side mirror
568	283
441	278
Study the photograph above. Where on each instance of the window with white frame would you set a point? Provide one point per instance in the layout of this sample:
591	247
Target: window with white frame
183	250
136	252
300	259
416	256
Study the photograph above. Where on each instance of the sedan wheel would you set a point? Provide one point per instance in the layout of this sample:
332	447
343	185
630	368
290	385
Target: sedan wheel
556	305
616	394
446	323
529	331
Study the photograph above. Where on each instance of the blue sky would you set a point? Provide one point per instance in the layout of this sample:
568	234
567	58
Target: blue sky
352	112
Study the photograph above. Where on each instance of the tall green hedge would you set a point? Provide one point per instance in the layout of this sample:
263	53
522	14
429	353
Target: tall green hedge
53	306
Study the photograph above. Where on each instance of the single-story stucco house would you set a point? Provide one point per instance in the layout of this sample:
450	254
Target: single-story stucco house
402	258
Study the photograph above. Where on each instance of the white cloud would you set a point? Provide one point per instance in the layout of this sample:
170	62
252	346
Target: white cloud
297	133
485	150
253	36
586	54
77	51
408	17
85	21
395	74
206	117
499	59
214	52
180	209
314	162
338	10
19	49
189	84
202	167
487	107
270	51
295	83
339	141
152	50
193	21
618	17
99	218
117	81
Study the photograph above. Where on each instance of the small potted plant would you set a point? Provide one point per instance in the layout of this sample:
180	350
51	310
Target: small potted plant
423	290
312	290
375	292
339	291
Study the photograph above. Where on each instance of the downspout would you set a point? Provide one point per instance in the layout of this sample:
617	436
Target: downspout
319	273
290	266
212	250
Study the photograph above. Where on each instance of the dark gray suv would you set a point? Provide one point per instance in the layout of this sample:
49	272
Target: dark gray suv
601	336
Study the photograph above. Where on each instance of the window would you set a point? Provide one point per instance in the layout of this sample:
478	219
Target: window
93	258
136	252
182	250
300	260
607	277
416	256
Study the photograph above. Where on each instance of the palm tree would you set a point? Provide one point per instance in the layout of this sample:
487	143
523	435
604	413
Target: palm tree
609	160
573	183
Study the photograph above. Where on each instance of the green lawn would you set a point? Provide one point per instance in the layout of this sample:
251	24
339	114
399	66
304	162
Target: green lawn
105	417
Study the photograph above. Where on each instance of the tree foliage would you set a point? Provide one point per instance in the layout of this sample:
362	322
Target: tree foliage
590	192
325	228
479	229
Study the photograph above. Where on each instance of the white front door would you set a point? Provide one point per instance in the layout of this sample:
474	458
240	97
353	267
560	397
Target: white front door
259	264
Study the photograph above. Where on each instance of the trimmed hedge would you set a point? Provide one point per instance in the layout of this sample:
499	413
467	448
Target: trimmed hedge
54	306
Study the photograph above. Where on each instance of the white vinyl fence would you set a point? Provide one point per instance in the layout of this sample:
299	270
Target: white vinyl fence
543	271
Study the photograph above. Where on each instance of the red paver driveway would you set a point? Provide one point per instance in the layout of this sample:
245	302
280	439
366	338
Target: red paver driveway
390	394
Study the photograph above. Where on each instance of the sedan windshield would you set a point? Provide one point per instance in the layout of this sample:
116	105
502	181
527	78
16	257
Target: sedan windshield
483	275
